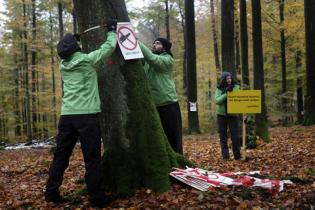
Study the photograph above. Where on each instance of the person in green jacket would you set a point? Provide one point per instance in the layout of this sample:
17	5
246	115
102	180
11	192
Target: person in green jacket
80	105
158	69
226	120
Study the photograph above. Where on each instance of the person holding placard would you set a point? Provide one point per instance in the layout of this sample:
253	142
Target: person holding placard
227	121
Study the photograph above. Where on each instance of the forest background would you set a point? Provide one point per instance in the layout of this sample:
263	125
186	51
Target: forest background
30	83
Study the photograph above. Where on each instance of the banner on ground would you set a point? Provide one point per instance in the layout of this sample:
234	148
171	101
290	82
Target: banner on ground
204	180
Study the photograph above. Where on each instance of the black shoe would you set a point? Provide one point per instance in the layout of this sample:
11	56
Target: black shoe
55	199
100	203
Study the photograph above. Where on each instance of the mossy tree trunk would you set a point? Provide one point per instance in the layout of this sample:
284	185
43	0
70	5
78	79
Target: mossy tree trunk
137	153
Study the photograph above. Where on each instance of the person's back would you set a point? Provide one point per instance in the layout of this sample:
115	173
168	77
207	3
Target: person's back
80	106
79	76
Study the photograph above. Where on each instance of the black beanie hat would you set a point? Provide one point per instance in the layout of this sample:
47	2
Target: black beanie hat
167	45
67	46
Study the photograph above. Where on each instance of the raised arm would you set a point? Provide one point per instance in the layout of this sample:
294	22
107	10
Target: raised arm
105	49
161	63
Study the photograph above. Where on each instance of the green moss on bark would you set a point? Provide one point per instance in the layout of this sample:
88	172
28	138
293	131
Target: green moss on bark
149	158
261	130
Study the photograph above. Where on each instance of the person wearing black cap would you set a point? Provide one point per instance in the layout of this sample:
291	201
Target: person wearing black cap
225	120
80	105
158	67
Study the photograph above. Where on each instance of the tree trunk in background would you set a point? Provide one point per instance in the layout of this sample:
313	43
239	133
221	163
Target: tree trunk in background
284	98
74	22
17	112
193	122
61	32
185	43
309	8
227	36
60	18
259	81
26	78
237	41
52	63
44	127
244	44
22	86
215	39
299	85
1	127
34	73
137	152
167	21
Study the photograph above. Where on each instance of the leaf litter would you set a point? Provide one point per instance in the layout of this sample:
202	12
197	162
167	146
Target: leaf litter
290	155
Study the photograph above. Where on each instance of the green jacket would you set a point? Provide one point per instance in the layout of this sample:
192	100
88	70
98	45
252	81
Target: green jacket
220	100
159	70
79	78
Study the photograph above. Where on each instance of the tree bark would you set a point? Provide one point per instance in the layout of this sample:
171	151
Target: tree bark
167	21
309	8
244	44
193	122
259	81
60	18
215	39
137	152
185	43
52	63
237	41
33	70
17	112
26	78
227	36
74	22
299	85
284	101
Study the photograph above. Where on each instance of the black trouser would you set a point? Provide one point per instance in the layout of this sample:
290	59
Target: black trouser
231	122
69	129
172	125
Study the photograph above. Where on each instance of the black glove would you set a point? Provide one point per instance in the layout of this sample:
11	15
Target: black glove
111	25
229	88
77	37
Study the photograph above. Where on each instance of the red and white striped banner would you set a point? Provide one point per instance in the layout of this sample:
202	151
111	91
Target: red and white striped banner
203	180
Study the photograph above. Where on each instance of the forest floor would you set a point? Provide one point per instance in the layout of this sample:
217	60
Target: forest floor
291	154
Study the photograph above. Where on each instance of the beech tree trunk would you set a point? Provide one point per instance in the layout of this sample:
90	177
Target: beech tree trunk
137	153
244	44
309	8
259	77
215	39
227	36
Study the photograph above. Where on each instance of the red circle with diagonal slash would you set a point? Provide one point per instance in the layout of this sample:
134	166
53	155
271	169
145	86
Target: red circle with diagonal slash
133	42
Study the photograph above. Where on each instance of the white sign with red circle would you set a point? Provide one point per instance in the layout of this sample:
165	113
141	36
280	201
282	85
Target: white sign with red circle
127	41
